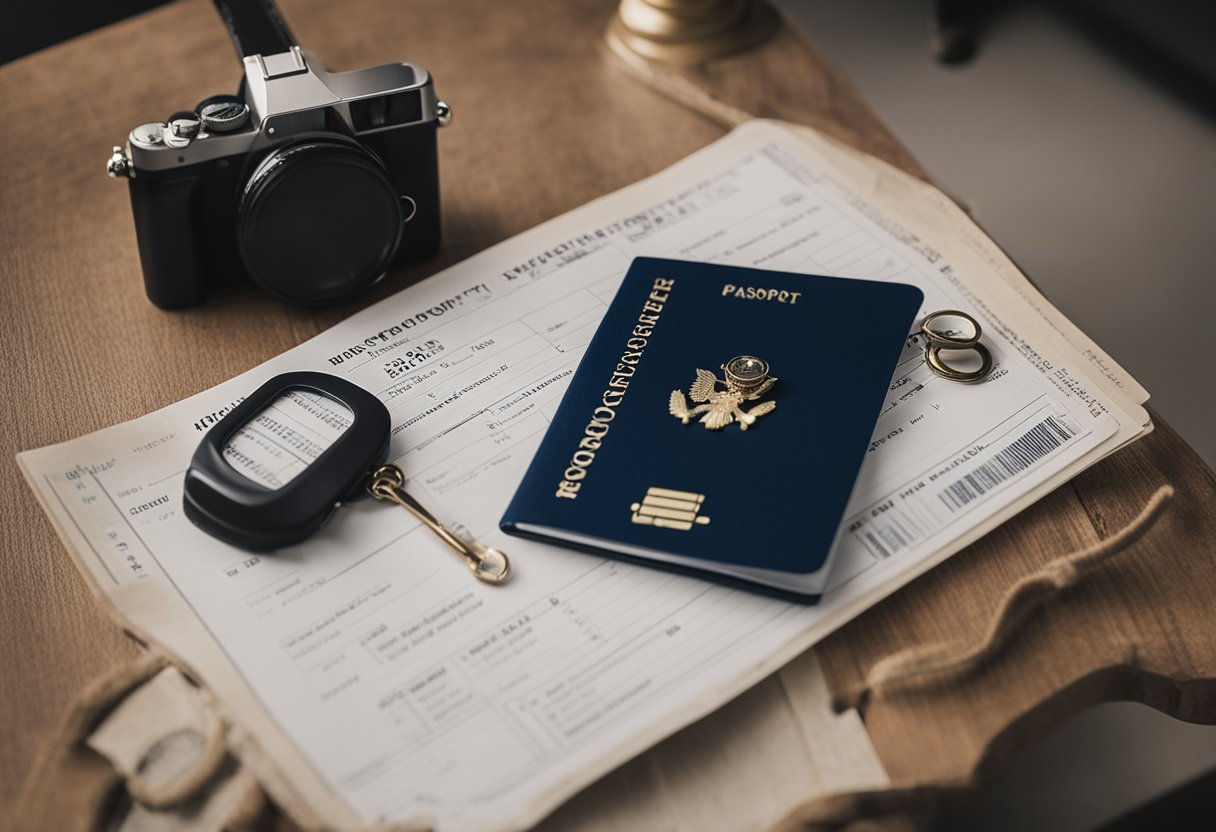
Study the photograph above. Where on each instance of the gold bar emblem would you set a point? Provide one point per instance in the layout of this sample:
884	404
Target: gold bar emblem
667	508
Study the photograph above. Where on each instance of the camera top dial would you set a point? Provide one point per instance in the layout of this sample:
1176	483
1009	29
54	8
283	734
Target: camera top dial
223	113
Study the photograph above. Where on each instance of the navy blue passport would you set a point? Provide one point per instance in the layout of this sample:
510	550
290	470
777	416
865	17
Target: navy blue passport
654	457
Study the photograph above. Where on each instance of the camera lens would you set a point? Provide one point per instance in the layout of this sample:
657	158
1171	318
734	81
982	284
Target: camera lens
318	221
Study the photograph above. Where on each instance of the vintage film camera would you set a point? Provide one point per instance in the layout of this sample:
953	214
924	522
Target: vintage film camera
309	183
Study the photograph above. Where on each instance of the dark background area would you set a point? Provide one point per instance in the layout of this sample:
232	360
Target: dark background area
1174	39
30	26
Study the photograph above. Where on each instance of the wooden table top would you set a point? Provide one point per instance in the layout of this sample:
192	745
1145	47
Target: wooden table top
545	121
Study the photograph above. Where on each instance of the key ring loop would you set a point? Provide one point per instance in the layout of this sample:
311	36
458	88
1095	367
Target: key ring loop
933	357
951	339
386	477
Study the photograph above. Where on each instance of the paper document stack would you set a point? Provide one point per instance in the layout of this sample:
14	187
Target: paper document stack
368	673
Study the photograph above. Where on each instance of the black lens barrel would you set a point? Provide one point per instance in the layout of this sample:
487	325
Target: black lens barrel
318	221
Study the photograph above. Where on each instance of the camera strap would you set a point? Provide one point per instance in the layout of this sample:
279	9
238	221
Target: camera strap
255	26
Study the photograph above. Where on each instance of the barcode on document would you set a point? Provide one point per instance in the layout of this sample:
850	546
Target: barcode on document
1019	455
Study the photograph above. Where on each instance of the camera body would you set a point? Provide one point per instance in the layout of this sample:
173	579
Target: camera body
310	184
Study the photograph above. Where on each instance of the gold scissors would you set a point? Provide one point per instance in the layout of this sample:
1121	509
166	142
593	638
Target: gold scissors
950	331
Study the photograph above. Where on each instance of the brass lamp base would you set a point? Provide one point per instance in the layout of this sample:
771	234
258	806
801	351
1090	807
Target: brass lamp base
687	32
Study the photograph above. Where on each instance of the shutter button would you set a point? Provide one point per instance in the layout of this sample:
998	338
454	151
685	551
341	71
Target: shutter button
148	135
182	129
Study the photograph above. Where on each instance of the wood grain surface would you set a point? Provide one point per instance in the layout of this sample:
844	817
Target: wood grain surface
544	121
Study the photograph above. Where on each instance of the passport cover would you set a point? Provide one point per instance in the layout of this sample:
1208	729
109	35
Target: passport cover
617	474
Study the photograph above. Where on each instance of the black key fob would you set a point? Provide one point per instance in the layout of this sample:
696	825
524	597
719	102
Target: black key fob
273	470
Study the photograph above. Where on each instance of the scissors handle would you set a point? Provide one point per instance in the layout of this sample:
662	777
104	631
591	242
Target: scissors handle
950	329
952	332
488	565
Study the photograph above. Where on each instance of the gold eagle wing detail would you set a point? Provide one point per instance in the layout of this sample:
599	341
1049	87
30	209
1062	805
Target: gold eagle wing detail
678	406
704	386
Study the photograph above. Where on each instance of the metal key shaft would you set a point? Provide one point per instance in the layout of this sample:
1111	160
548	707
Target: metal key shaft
489	565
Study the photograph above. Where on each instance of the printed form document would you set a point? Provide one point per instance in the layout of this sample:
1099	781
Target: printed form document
378	680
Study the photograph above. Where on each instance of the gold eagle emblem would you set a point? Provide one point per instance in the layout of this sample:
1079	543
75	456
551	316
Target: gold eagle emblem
747	380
